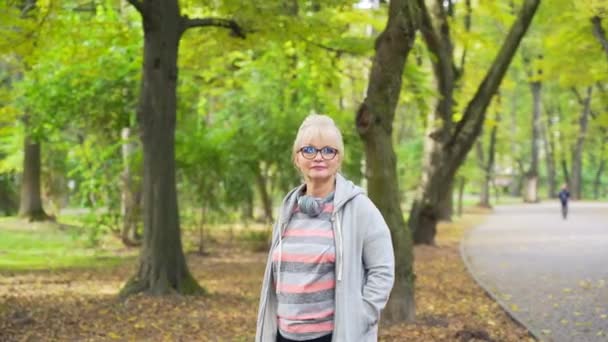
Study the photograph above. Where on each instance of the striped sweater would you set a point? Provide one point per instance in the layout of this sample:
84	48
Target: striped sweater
306	281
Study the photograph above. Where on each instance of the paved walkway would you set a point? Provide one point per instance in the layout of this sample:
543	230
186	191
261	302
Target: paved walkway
550	274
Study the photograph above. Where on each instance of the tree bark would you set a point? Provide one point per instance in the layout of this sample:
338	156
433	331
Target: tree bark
488	169
30	206
576	186
130	193
515	188
446	205
549	144
8	195
448	146
597	183
531	193
461	185
565	172
599	33
374	123
162	265
263	188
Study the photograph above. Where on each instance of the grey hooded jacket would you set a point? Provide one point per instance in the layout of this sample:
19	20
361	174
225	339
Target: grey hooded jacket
365	266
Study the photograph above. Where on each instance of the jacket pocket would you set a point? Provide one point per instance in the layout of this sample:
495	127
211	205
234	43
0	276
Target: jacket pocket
369	316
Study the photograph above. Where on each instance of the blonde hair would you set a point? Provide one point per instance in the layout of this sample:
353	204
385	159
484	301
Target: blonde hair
317	126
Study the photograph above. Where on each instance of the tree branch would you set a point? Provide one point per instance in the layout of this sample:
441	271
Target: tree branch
578	95
467	28
138	4
439	44
433	42
469	126
599	33
328	48
236	30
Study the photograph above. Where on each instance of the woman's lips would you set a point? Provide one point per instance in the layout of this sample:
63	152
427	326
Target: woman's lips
318	168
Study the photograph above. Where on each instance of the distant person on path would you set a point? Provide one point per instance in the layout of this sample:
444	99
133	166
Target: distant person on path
330	268
564	195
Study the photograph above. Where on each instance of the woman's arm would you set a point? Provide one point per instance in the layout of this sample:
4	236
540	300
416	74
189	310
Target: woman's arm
378	262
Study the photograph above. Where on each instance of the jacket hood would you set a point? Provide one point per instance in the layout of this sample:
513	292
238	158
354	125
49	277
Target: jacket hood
345	191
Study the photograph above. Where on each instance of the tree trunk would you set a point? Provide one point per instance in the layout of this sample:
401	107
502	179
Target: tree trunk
565	171
517	177
531	193
162	264
461	185
446	205
577	155
374	123
130	193
31	202
597	183
8	195
599	33
263	188
201	231
549	144
446	147
517	184
247	209
489	167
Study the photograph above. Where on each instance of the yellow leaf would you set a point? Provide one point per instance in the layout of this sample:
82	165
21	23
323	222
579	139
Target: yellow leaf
114	335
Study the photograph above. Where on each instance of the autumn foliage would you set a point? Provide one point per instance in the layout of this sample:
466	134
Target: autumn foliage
82	304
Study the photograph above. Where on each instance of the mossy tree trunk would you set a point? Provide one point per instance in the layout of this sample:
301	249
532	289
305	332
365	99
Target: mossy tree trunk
375	126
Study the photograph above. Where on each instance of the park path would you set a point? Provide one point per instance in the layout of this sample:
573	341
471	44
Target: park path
548	273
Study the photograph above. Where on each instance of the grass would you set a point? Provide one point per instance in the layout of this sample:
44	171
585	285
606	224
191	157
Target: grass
48	245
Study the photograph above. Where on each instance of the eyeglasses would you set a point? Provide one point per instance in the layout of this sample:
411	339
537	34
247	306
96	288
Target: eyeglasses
310	152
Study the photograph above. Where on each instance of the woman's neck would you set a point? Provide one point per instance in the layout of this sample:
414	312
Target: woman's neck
320	189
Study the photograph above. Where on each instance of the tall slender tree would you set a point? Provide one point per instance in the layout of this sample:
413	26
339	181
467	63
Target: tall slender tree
549	147
487	164
576	181
532	175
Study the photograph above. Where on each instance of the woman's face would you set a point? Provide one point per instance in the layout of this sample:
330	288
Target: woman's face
320	168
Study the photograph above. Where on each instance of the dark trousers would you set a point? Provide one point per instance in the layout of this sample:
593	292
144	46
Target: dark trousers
326	338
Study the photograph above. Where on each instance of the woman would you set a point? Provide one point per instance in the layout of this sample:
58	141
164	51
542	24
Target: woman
330	268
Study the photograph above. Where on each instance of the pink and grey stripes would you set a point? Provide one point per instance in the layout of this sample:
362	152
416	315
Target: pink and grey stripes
307	278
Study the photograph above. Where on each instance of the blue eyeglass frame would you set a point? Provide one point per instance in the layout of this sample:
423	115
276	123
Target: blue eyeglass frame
327	152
